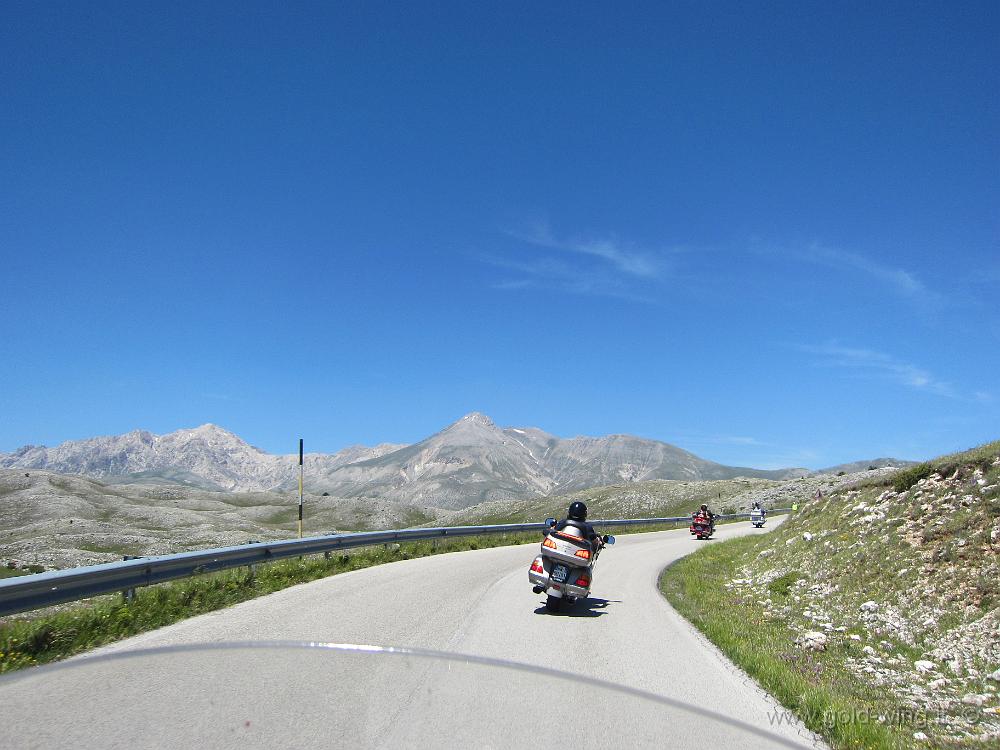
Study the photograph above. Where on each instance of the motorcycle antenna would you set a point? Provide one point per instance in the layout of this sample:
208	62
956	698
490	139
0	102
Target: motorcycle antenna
300	488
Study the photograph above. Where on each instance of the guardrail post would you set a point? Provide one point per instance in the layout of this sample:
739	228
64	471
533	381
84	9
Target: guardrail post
252	567
129	594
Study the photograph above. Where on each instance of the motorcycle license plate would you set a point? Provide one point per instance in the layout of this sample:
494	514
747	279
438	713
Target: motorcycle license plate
559	573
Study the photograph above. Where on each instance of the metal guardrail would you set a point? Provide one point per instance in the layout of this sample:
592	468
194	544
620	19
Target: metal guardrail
45	589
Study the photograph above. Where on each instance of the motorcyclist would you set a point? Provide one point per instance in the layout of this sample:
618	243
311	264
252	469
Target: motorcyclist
758	506
576	516
708	514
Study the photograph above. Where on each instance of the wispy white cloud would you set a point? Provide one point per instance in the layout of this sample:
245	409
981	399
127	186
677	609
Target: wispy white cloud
621	258
903	280
899	279
548	273
603	266
881	365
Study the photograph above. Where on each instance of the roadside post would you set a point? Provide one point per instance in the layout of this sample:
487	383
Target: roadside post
300	488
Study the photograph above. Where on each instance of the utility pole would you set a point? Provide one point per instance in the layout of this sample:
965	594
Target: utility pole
300	488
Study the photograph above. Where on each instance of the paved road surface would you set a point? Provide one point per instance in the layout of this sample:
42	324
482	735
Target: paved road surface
477	603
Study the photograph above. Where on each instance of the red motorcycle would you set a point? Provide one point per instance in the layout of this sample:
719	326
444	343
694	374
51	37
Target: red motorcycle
702	526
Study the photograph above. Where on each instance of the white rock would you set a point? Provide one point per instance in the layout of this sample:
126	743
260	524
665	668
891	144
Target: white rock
814	640
807	536
923	666
869	650
869	606
972	699
854	637
937	684
919	736
994	676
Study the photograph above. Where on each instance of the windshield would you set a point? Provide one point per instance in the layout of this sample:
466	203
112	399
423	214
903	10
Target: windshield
246	695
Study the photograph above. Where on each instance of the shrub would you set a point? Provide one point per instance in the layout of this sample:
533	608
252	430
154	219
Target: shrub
905	479
782	586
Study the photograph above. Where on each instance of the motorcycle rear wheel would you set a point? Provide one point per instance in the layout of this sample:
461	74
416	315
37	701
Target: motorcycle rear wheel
553	603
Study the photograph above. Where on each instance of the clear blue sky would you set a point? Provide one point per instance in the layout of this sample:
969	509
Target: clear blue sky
765	232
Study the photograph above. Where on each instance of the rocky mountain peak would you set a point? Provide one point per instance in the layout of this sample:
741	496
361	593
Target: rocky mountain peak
478	418
211	429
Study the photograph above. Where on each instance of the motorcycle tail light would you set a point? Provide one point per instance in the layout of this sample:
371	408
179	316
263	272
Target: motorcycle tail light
549	543
536	566
583	581
584	553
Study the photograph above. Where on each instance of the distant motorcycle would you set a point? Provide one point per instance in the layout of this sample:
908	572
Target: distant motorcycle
702	526
757	517
564	569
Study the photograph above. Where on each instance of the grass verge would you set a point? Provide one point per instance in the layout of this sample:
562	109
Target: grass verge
815	685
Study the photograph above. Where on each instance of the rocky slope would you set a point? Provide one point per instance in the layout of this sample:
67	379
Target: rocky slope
903	575
59	521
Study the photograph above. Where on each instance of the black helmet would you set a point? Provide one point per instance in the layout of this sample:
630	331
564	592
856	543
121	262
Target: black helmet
577	511
704	507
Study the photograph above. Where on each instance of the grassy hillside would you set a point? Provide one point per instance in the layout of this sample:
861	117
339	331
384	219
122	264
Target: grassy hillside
656	499
875	611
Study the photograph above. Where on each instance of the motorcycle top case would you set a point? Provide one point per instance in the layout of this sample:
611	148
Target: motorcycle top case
564	545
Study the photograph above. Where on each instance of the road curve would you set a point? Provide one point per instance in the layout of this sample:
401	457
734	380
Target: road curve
477	603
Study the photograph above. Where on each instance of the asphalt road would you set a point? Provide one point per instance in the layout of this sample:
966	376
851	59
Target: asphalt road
475	603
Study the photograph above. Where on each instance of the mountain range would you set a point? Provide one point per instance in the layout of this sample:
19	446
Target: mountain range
469	462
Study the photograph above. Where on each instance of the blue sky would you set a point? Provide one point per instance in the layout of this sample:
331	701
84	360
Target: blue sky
765	232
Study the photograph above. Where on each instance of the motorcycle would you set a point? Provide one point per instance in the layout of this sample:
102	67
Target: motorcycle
757	517
702	526
564	569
